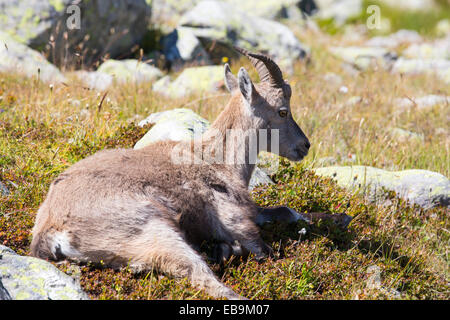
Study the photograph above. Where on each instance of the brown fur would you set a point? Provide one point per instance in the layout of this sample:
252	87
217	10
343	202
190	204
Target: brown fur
137	207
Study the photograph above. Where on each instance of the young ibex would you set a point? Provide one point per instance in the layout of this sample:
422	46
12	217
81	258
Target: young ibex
138	208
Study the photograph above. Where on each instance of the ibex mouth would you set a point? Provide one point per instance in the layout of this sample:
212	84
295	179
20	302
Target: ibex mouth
298	154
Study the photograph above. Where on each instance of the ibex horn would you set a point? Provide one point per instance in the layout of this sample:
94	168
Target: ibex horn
267	69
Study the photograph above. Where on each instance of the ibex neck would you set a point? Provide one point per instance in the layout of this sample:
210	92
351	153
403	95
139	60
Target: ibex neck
233	136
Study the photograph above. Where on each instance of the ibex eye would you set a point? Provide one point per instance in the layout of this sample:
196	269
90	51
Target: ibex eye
283	113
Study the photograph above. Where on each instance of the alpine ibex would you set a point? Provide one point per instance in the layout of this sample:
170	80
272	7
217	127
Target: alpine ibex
137	208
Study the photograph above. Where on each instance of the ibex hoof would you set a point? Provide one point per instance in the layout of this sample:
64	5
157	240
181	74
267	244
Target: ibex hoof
222	253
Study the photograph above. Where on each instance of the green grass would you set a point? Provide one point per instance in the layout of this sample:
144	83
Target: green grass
423	21
43	131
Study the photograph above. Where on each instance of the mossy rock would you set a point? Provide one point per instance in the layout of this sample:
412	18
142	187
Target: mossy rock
130	70
364	57
28	278
16	57
205	79
105	27
426	188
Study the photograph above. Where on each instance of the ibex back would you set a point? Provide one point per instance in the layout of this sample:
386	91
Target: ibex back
138	208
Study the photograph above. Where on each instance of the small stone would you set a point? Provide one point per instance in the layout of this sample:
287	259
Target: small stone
343	89
180	125
422	103
374	277
402	135
3	190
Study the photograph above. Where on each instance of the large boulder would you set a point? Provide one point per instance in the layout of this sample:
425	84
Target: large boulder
110	27
16	57
168	12
420	5
28	278
202	79
180	125
425	188
219	24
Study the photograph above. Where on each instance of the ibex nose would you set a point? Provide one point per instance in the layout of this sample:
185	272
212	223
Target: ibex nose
307	144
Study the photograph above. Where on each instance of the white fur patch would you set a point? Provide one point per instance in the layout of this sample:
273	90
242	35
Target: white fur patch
61	242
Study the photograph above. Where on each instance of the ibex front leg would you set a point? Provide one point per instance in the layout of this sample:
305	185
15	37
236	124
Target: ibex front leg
240	231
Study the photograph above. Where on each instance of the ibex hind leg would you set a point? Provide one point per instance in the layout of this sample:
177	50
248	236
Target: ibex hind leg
164	248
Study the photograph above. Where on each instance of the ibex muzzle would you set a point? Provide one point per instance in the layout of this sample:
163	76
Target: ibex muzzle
137	208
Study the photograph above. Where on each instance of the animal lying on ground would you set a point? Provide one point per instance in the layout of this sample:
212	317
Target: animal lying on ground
138	208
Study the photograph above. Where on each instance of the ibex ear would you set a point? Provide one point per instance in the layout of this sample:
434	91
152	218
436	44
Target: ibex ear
230	80
246	85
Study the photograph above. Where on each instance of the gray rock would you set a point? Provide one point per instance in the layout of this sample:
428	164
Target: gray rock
168	12
28	278
179	125
333	78
181	46
402	135
339	10
438	49
224	24
421	103
95	80
425	188
4	295
259	177
18	58
374	283
106	27
3	190
130	70
396	39
175	125
422	5
269	9
440	67
365	57
205	79
443	27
